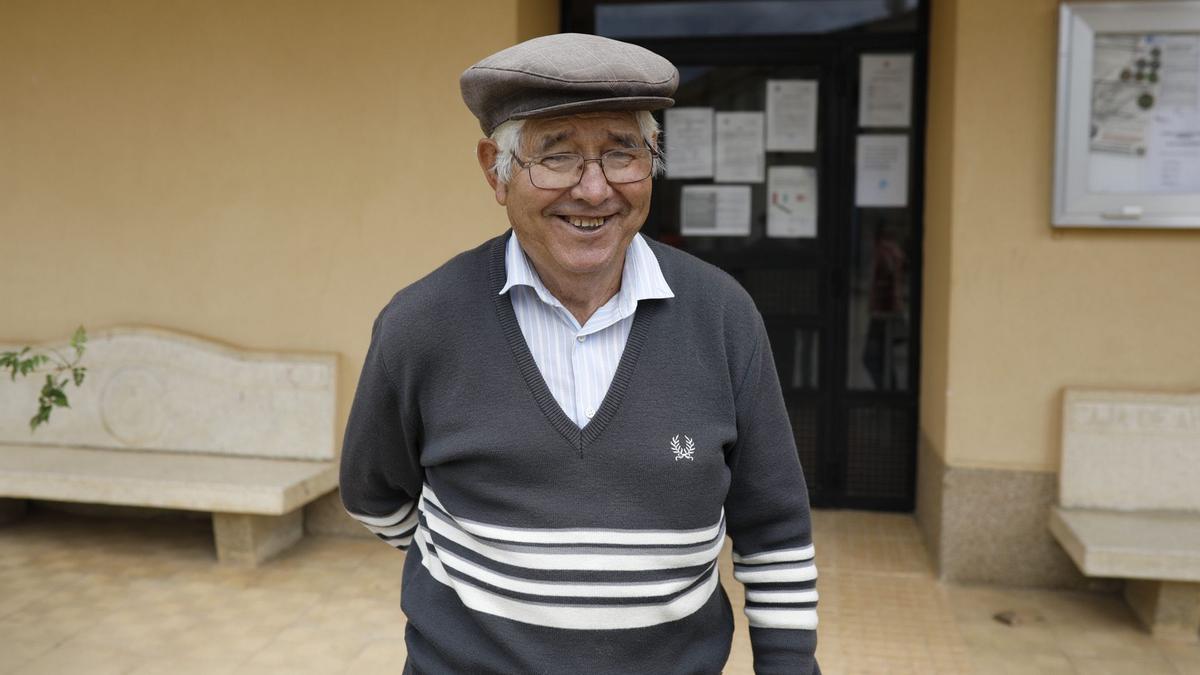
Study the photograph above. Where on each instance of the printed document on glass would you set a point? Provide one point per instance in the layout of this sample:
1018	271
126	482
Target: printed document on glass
740	155
885	90
1173	156
715	211
791	201
689	142
792	115
881	170
1145	114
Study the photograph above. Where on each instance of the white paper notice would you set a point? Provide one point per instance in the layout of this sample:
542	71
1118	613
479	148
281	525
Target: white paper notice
792	115
689	141
740	156
885	90
716	210
1173	158
791	201
881	170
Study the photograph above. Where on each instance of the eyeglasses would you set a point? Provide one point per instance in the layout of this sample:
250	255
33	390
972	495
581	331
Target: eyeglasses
563	170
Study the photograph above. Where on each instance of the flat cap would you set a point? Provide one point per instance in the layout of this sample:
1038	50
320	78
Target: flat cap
566	74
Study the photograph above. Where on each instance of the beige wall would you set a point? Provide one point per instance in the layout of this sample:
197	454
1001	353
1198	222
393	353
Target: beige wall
1015	310
267	174
262	173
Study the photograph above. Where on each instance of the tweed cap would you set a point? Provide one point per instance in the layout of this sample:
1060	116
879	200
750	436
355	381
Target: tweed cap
566	74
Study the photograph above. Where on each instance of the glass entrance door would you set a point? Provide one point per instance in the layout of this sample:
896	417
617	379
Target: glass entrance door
778	176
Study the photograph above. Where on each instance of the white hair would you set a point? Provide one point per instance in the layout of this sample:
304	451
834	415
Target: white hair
508	138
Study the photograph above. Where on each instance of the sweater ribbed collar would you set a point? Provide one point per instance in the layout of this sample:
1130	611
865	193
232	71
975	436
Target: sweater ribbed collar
642	320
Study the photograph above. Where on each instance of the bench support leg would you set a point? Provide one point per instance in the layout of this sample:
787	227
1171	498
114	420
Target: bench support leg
247	540
1170	609
12	510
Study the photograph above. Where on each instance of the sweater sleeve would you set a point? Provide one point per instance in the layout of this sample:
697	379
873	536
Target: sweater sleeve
381	474
768	519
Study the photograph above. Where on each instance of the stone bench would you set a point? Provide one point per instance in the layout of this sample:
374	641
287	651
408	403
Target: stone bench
1129	500
170	421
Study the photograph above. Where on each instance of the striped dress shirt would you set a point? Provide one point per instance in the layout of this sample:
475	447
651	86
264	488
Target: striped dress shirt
578	362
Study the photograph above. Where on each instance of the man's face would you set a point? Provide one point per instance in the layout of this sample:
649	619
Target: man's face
557	227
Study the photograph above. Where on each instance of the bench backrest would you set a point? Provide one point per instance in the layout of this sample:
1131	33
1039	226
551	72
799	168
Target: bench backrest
152	389
1130	451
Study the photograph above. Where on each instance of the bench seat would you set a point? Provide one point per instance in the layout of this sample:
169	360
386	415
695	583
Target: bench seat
268	487
257	504
175	421
1130	545
1129	505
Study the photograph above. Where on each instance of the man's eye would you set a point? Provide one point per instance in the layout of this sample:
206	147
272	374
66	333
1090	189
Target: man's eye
618	157
561	162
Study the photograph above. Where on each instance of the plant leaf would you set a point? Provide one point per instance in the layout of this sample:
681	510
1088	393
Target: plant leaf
42	416
78	340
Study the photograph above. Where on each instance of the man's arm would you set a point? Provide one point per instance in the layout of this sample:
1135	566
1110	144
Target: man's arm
381	473
768	519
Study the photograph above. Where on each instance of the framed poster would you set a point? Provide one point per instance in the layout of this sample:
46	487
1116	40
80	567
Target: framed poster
1127	133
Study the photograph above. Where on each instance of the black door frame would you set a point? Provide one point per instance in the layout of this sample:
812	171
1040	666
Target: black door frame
837	56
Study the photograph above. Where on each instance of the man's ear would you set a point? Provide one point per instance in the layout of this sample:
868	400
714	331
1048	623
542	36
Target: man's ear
486	153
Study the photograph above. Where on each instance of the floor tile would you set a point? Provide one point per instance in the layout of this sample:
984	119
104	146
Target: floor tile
96	595
79	659
1152	664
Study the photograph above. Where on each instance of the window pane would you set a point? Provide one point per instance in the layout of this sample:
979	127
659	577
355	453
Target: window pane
880	283
751	17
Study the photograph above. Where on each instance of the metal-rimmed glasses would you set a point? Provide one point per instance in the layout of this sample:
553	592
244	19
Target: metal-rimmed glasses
562	170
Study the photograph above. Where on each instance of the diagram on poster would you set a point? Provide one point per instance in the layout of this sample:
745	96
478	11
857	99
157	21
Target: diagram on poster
791	201
689	142
715	210
1145	113
792	115
740	155
885	90
881	170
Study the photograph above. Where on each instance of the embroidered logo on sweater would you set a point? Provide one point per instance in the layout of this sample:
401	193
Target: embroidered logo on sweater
684	451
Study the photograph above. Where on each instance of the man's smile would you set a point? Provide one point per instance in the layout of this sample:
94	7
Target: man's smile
585	223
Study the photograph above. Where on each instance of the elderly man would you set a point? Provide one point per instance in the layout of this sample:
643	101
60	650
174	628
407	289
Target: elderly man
566	421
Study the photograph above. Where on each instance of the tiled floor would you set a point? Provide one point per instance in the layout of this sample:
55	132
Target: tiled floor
88	595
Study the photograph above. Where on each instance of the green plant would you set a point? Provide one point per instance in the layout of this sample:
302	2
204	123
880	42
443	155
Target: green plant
52	394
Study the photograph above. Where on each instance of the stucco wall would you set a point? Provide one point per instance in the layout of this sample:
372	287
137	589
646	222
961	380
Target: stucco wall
261	173
1016	310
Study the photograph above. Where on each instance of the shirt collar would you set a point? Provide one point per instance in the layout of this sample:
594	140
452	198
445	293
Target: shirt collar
641	278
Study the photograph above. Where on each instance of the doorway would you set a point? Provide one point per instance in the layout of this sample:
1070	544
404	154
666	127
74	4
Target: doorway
821	223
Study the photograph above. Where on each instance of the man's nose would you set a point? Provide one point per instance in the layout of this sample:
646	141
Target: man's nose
592	187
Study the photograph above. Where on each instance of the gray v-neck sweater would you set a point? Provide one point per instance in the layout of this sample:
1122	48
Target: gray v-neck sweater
539	547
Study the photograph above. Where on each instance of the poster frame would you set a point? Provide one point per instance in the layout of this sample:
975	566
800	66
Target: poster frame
1074	205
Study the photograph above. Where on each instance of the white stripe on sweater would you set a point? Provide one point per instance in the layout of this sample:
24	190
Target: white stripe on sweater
778	575
373	522
569	616
778	555
621	559
556	588
781	617
580	536
781	596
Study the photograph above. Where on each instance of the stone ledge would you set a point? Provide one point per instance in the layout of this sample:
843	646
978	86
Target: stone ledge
175	481
1134	545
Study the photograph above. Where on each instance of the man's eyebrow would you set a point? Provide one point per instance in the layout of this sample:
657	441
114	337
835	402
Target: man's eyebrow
553	140
627	140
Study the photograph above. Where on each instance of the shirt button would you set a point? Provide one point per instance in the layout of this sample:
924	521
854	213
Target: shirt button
581	338
590	413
